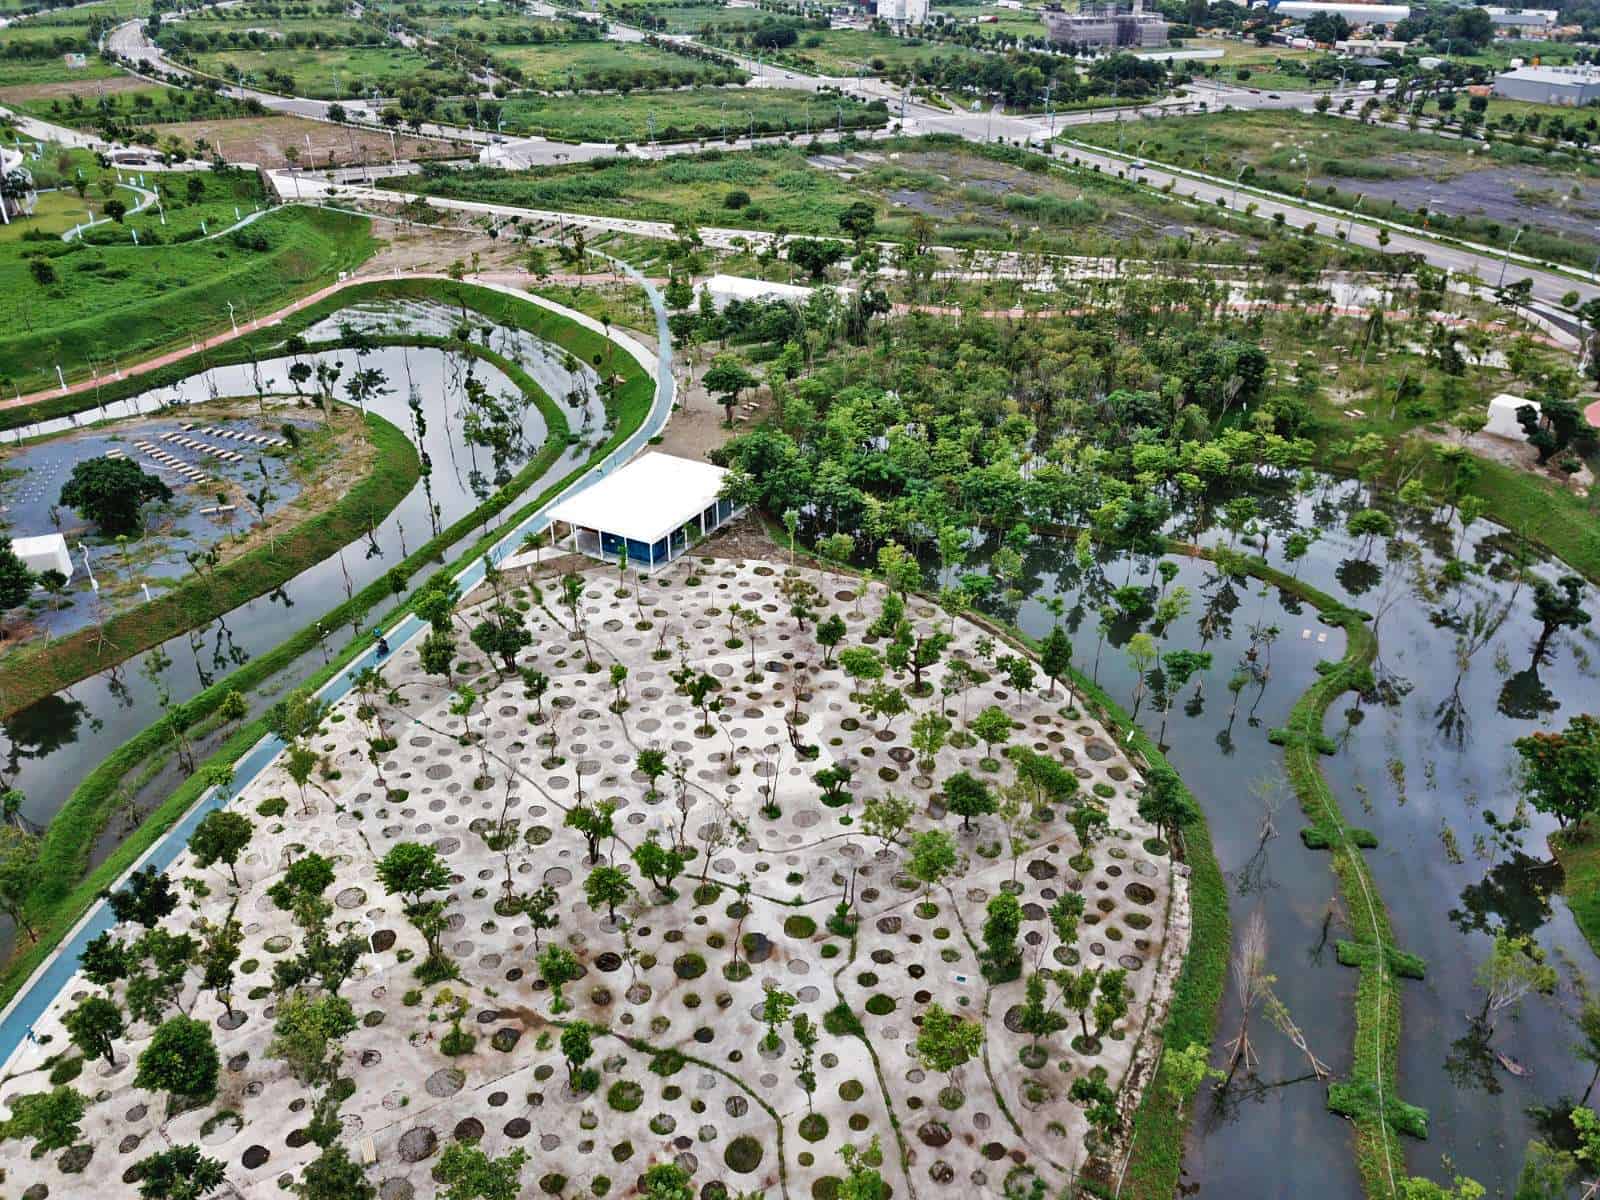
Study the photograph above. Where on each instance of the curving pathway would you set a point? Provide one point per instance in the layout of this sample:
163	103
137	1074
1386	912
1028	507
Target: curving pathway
41	989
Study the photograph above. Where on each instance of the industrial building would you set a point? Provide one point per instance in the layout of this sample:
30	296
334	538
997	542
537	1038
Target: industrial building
1106	26
903	13
1570	86
1524	18
1359	15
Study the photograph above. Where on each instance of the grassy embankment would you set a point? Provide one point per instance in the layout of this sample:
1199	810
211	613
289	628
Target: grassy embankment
136	301
702	112
70	888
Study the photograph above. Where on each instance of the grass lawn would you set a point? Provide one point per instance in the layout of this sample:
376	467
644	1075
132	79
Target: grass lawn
56	212
241	22
589	66
1578	852
1269	67
679	114
853	51
1471	190
681	18
52	70
134	301
213	210
501	27
330	74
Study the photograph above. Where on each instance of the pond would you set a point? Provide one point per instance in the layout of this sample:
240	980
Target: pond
50	746
1426	762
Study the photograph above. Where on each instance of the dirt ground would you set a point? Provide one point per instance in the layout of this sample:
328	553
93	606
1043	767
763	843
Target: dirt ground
261	140
61	89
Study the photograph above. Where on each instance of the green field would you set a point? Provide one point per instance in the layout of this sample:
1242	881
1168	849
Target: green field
133	301
969	196
680	114
1267	67
56	212
1472	190
860	51
682	18
89	105
14	73
208	211
606	66
332	74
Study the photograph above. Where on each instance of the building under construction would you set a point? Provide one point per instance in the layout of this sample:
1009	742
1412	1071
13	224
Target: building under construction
1106	26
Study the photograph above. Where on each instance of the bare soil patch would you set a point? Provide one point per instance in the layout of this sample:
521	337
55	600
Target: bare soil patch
262	140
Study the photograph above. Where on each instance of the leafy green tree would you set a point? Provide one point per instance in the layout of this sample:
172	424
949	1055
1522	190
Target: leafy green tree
307	1033
110	492
858	221
577	1047
49	1119
221	837
968	796
16	581
94	1025
667	1181
608	887
1561	771
657	863
594	822
411	870
558	966
886	817
1055	656
946	1043
830	632
181	1059
1038	1019
333	1175
148	897
1556	606
179	1173
776	1005
933	857
992	727
862	1179
1002	957
470	1174
1165	803
1515	967
726	378
1368	524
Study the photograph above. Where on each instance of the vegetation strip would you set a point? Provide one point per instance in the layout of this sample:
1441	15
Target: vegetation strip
68	889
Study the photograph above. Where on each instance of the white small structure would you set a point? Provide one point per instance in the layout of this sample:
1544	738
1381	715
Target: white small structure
1503	416
725	289
654	508
47	552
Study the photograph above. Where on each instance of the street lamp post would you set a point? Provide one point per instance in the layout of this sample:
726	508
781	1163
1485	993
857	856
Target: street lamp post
1504	258
231	318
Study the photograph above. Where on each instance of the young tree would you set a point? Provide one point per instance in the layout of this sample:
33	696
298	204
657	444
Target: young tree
651	762
1077	992
307	1035
946	1043
1001	956
577	1047
221	837
1368	524
94	1026
968	796
558	966
933	857
726	378
657	863
830	632
1166	804
886	817
776	1005
411	870
928	734
1514	968
607	887
1055	656
1561	771
667	1181
1038	1019
594	823
862	1179
181	1059
992	727
179	1173
804	1064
